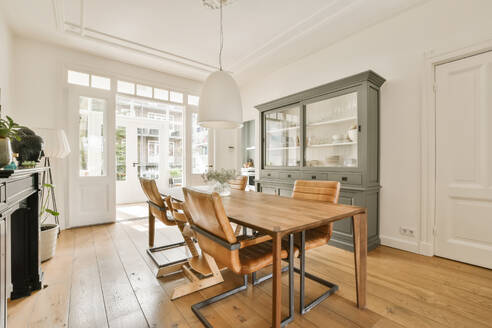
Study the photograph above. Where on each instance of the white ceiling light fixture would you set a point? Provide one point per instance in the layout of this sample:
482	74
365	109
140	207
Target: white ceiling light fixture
220	102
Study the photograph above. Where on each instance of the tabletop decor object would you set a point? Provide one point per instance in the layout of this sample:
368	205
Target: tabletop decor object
218	179
28	146
8	130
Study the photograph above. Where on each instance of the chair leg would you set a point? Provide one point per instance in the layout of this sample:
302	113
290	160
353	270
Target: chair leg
303	275
256	281
198	306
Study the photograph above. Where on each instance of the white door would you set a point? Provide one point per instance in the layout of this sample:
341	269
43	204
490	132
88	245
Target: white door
200	150
141	151
92	161
464	160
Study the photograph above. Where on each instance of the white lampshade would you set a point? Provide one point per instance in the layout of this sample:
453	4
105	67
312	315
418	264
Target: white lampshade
55	142
220	103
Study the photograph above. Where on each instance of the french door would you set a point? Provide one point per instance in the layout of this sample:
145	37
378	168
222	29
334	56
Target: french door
92	159
141	151
464	160
200	149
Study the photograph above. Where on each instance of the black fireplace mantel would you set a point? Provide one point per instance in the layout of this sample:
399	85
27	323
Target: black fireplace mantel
19	209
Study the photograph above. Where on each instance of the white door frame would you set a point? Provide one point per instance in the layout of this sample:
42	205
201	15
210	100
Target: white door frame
428	137
74	92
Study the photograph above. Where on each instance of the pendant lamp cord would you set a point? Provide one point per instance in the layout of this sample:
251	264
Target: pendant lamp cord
221	37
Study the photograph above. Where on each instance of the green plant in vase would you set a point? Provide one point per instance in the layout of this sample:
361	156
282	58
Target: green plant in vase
49	231
8	130
45	213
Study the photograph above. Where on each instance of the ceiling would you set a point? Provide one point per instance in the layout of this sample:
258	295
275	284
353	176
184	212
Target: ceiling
182	36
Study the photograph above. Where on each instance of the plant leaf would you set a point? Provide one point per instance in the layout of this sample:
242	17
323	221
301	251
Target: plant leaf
54	213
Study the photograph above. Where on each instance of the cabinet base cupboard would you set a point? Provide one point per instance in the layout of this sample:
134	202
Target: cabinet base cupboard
330	132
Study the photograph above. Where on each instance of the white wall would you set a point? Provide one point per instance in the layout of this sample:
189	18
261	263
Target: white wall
5	66
395	49
39	89
225	156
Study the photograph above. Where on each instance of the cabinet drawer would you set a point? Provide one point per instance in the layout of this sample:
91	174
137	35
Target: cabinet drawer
269	174
286	192
270	190
289	175
314	176
346	178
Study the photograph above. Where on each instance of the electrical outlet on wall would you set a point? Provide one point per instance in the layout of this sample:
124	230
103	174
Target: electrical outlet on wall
409	232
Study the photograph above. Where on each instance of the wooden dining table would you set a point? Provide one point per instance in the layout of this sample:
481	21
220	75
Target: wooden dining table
279	216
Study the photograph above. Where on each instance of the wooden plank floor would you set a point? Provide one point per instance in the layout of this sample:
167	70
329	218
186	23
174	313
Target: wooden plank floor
101	276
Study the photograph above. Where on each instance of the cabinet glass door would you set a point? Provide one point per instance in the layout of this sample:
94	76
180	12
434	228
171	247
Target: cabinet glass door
282	137
332	132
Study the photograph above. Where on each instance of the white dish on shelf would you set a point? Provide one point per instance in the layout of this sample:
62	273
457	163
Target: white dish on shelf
338	138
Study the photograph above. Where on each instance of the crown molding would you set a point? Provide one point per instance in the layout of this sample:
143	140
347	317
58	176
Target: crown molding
79	30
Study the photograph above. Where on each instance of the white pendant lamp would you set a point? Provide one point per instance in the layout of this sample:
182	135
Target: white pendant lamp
220	102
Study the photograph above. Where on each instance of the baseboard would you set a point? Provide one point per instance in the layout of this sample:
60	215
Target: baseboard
426	249
402	244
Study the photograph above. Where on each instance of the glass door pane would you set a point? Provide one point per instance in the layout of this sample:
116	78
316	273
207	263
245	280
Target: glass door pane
199	146
332	132
147	110
148	153
282	137
92	116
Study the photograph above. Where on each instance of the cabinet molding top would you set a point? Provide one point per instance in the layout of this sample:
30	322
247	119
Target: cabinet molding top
349	81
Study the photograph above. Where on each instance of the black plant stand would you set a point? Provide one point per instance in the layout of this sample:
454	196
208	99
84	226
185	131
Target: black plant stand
47	178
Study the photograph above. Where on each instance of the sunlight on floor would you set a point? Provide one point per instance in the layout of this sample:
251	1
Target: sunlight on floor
131	211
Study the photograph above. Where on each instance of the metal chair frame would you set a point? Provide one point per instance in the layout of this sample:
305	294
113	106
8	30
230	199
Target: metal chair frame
198	306
303	275
177	264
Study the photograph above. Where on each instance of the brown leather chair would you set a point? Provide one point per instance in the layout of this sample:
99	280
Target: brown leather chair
157	207
324	191
239	183
242	255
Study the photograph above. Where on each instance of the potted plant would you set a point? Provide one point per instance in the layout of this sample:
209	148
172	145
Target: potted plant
219	179
49	231
8	130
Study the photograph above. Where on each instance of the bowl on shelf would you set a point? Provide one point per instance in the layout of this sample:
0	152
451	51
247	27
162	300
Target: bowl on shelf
338	138
350	162
333	160
352	134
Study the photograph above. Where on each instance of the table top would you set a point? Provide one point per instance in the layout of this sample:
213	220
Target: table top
276	214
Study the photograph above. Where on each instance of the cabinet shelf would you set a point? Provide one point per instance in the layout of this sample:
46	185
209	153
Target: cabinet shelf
352	118
283	148
348	143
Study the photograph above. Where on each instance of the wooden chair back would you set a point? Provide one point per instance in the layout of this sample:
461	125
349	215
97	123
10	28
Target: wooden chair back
208	214
159	211
326	191
239	182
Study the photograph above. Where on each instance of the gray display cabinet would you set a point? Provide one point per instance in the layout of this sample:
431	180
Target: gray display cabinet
330	132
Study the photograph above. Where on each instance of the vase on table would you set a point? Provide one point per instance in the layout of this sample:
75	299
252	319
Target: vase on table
5	151
223	189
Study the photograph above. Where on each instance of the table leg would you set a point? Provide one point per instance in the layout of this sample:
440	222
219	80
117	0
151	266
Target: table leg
359	223
151	228
277	282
